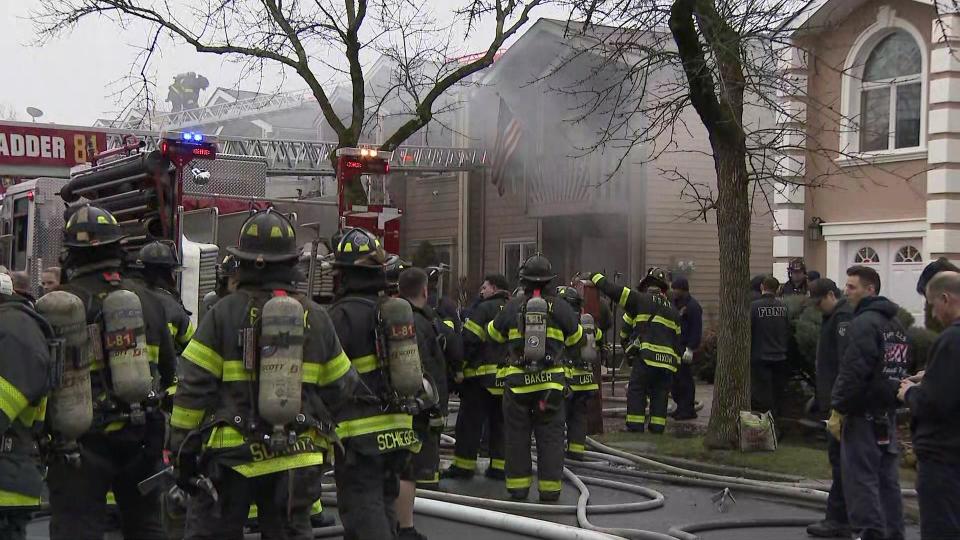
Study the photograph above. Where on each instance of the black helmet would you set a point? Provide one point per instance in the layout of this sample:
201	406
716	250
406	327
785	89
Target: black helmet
157	254
537	269
359	248
572	296
266	237
228	266
797	265
656	277
393	266
89	226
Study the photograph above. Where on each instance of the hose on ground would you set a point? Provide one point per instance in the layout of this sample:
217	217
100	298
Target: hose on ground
686	532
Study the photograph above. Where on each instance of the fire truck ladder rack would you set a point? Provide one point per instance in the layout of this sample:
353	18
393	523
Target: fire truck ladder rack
307	158
243	108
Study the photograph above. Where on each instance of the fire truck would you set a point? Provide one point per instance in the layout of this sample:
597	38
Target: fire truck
186	193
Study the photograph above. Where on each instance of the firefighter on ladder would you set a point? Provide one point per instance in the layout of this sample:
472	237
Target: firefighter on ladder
260	385
652	329
539	332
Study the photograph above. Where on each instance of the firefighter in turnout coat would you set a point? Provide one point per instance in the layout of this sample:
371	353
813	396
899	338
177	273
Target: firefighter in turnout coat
125	443
24	383
539	332
652	328
377	438
229	424
582	387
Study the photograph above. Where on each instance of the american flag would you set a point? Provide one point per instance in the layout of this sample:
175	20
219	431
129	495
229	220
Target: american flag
508	139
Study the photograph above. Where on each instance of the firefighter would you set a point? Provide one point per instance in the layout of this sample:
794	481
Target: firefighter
424	469
25	380
377	437
133	357
260	383
226	284
156	264
796	279
539	332
652	328
481	400
583	387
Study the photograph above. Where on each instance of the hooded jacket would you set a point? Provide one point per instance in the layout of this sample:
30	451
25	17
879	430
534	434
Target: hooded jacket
769	330
876	359
830	349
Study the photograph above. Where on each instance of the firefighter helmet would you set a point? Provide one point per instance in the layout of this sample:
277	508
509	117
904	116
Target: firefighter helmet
158	254
393	266
89	226
228	266
537	269
656	277
359	248
797	265
572	296
266	237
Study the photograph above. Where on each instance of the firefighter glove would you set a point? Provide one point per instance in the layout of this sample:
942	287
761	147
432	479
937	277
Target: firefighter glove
688	356
835	424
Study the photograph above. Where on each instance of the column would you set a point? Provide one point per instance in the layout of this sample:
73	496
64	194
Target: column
943	139
789	225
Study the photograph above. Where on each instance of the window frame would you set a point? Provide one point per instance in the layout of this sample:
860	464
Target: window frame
853	87
521	241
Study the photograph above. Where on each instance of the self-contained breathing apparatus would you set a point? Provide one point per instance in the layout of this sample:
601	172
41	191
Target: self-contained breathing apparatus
399	357
588	353
70	403
534	316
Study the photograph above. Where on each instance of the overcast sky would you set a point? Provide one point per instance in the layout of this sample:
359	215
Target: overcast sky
73	79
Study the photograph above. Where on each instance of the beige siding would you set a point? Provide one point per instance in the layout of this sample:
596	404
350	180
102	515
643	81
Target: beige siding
430	213
671	236
895	190
505	219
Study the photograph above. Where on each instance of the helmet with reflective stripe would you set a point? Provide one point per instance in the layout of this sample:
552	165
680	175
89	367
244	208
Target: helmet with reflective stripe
359	248
656	277
393	266
537	269
89	226
228	266
572	296
157	254
266	237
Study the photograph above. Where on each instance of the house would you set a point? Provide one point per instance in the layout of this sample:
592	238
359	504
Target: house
583	210
879	102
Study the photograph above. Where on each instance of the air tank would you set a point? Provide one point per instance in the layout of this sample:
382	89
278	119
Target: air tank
125	341
535	330
588	353
406	371
281	362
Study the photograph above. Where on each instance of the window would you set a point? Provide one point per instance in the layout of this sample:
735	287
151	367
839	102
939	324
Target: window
866	255
512	255
890	94
908	254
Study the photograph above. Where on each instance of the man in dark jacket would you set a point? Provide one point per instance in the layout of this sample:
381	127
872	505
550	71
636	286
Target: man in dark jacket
796	279
864	401
691	331
769	332
935	405
424	470
25	374
837	314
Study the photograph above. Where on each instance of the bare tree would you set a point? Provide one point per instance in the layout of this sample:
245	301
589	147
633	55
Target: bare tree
322	42
734	64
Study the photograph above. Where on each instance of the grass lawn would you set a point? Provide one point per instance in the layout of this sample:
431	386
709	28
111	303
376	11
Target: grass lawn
797	458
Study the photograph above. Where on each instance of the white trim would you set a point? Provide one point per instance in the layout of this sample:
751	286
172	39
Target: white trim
887	22
877	158
882	229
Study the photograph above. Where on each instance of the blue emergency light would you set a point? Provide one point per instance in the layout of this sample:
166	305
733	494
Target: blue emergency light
195	137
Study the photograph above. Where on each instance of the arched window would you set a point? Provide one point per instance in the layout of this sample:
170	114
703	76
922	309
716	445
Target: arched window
891	92
866	255
908	254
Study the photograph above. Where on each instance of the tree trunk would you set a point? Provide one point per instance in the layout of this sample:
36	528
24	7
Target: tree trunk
732	386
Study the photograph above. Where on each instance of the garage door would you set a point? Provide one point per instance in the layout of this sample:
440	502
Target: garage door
899	263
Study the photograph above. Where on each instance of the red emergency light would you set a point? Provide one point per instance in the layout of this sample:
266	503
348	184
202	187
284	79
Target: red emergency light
189	146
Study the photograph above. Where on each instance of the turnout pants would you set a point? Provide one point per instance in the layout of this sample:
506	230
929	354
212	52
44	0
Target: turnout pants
284	500
367	487
478	407
871	484
684	391
13	522
648	385
576	408
78	494
836	505
424	466
768	380
938	488
541	414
